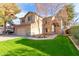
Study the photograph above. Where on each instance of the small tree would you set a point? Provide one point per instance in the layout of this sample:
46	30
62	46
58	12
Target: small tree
8	11
71	14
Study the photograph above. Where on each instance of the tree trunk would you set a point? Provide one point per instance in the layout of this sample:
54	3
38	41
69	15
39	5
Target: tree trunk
4	27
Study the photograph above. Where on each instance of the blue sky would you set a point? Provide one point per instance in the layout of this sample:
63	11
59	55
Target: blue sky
76	7
26	7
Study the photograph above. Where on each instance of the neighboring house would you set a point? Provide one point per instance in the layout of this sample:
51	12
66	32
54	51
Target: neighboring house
33	24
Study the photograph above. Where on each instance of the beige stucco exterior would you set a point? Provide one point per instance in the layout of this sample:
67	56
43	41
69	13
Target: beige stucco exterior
36	27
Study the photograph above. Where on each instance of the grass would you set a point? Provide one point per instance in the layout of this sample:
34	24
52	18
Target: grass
60	46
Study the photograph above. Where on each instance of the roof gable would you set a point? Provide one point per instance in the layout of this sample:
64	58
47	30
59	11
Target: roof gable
30	13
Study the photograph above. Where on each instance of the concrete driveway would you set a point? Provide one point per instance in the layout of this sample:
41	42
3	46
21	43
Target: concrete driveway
7	37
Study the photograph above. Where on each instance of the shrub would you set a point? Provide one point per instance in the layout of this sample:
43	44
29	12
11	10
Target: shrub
75	31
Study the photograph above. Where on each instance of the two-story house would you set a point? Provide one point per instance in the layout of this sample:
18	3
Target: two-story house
33	24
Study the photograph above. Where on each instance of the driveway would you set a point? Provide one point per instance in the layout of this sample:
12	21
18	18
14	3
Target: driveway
7	37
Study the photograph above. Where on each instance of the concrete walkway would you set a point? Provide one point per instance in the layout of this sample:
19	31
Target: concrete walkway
10	37
49	37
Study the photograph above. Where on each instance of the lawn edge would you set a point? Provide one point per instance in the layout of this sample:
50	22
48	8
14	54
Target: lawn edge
77	47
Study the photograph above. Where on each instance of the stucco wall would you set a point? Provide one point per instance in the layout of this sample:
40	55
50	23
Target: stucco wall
36	27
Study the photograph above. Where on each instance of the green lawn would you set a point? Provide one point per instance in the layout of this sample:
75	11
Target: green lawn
60	46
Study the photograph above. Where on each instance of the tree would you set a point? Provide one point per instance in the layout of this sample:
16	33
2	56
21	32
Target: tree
70	11
47	9
51	9
8	11
42	8
1	22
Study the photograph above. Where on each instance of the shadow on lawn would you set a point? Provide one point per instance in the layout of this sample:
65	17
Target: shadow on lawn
44	47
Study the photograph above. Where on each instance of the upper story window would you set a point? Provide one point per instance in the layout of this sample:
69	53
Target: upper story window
30	18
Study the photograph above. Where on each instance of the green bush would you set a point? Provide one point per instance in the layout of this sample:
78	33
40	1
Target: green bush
75	31
76	34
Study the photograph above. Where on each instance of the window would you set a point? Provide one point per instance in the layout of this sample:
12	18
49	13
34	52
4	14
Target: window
23	20
46	30
30	18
